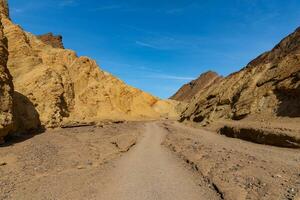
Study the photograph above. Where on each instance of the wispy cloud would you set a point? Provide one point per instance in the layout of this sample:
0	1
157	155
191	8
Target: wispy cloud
131	68
165	41
66	3
179	10
170	43
32	5
170	77
14	11
107	7
115	7
144	44
174	11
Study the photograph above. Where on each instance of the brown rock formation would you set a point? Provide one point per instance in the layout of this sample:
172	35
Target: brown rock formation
268	86
6	89
53	40
65	88
188	91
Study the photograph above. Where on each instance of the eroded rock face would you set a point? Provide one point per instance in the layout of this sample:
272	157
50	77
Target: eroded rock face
4	8
188	91
53	40
268	86
6	90
65	88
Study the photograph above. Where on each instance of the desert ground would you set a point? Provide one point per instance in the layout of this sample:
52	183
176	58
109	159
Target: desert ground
145	160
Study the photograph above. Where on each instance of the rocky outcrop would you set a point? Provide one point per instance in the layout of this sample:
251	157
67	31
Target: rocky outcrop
4	8
26	117
6	90
268	86
53	40
188	91
63	88
261	136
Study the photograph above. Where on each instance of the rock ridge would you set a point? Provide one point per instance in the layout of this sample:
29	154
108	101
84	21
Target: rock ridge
189	90
268	86
54	86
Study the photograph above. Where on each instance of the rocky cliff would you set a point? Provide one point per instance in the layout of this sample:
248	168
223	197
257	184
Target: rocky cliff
6	89
188	91
268	86
59	87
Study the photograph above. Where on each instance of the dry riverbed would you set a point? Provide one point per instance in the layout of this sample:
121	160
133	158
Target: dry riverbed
62	163
128	161
236	168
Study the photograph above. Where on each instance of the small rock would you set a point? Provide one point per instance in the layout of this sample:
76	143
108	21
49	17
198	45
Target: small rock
278	176
80	167
3	163
90	163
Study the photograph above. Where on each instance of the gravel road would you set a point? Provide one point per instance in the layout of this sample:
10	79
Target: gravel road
151	172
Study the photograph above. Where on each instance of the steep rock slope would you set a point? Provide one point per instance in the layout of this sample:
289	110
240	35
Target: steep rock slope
53	40
65	88
188	91
6	90
268	86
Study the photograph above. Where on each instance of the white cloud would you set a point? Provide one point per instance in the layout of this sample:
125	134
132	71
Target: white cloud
170	77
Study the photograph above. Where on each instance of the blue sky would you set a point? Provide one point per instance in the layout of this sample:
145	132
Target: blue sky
159	45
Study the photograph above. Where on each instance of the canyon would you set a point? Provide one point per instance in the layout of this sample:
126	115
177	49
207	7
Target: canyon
70	130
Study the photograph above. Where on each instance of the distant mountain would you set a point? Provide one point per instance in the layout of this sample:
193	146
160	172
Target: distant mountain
188	91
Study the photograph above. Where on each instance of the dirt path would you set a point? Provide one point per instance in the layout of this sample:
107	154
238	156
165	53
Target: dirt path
151	172
93	163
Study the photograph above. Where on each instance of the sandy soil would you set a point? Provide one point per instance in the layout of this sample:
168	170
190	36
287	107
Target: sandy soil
63	163
127	161
238	169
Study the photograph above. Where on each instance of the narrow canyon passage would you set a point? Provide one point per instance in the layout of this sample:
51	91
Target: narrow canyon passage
149	171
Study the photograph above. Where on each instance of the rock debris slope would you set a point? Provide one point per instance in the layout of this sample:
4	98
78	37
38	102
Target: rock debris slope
188	91
62	87
268	86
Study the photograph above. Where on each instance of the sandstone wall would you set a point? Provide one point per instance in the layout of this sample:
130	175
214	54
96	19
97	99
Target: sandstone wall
64	88
6	90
